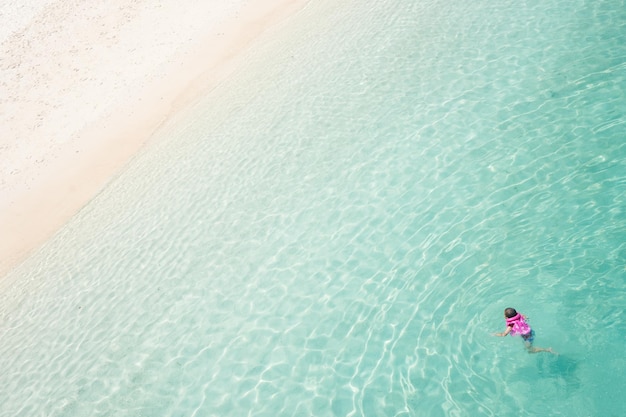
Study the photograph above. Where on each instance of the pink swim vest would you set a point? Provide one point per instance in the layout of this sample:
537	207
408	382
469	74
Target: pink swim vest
518	325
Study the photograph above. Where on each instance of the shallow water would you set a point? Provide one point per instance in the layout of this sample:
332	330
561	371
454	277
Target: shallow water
337	229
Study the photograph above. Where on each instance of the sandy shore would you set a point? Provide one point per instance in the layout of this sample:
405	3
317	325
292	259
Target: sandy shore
84	86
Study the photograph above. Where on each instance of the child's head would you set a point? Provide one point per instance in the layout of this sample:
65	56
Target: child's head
510	312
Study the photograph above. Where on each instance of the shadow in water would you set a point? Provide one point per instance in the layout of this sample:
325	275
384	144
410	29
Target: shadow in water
561	369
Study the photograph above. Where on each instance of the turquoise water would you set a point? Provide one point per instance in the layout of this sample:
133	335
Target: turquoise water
336	230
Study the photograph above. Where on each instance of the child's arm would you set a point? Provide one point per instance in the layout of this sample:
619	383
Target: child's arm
504	333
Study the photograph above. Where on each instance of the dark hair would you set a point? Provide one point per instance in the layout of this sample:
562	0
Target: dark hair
510	312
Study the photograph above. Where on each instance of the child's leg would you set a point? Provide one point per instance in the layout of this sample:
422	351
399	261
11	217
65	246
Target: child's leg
533	349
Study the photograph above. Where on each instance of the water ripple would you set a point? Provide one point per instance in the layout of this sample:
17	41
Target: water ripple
343	241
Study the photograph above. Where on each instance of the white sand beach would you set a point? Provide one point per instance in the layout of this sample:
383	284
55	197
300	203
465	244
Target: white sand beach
84	86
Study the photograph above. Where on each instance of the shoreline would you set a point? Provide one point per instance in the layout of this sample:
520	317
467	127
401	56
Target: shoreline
63	140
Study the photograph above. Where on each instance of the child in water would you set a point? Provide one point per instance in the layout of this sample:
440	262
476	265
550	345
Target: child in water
516	325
